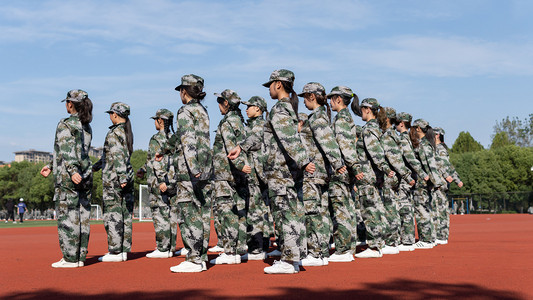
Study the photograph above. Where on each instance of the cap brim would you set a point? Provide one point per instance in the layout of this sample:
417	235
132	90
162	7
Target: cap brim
178	87
267	84
366	105
247	103
109	112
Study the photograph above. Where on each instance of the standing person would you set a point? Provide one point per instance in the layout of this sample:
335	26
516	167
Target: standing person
10	211
230	179
117	181
160	177
259	227
73	179
285	160
21	206
193	163
373	208
393	154
443	214
406	191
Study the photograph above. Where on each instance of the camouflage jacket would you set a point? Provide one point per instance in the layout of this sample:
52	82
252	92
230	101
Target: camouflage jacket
285	154
192	154
71	154
255	154
346	136
369	177
115	161
158	172
329	158
394	155
426	155
442	153
320	176
230	133
409	156
374	152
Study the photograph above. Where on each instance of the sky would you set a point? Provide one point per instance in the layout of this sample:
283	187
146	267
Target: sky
461	65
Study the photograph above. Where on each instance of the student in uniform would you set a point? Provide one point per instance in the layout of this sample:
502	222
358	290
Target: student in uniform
159	177
73	179
117	181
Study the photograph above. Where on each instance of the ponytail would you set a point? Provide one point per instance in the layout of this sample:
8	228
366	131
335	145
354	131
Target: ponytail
355	105
236	109
194	91
129	133
168	124
430	136
382	118
287	86
441	139
414	138
85	110
321	99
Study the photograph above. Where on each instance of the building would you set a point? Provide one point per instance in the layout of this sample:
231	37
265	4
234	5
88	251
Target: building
33	156
96	152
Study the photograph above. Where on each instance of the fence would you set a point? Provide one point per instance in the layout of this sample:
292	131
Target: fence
494	203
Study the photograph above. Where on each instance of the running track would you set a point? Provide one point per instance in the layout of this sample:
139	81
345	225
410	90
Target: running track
488	257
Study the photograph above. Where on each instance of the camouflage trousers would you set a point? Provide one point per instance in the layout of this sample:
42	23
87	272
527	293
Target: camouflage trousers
407	214
193	201
289	218
256	219
423	214
392	231
73	212
228	215
118	211
317	220
373	213
441	208
165	232
344	227
360	224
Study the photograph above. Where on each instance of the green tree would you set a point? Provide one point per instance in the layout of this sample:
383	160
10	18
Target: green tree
465	143
520	132
501	139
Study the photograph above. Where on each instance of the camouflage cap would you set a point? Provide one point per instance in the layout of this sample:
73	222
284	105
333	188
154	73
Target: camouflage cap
420	123
439	131
390	112
231	96
122	109
76	96
192	80
340	90
163	113
404	117
312	88
256	101
370	102
280	75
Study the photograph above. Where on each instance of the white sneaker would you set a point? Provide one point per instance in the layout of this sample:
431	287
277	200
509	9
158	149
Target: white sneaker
14	222
224	258
325	261
390	250
346	257
81	264
423	245
252	256
311	261
282	267
124	256
111	257
369	253
441	242
332	246
360	243
158	254
182	251
204	266
65	264
187	267
406	248
6	221
274	252
217	248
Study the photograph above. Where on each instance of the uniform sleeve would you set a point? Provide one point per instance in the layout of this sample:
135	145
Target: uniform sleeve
409	155
450	169
286	131
156	145
69	148
118	155
188	141
253	141
346	144
233	133
394	156
377	154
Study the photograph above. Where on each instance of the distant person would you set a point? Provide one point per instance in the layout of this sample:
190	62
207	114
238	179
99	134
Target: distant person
530	210
22	209
10	210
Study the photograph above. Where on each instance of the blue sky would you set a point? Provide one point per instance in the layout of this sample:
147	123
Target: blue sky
461	65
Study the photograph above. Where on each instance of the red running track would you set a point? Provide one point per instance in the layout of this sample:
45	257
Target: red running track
488	257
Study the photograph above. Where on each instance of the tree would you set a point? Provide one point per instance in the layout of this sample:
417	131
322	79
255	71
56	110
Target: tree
519	132
465	143
501	139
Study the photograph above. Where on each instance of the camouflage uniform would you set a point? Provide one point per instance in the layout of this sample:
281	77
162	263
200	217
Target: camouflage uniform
193	156
230	204
159	172
373	209
258	223
73	201
116	170
393	154
405	193
365	168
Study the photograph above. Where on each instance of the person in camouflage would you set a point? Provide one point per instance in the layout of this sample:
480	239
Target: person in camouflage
443	219
405	193
365	169
73	179
229	176
372	151
117	181
342	179
193	164
159	177
257	220
394	156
